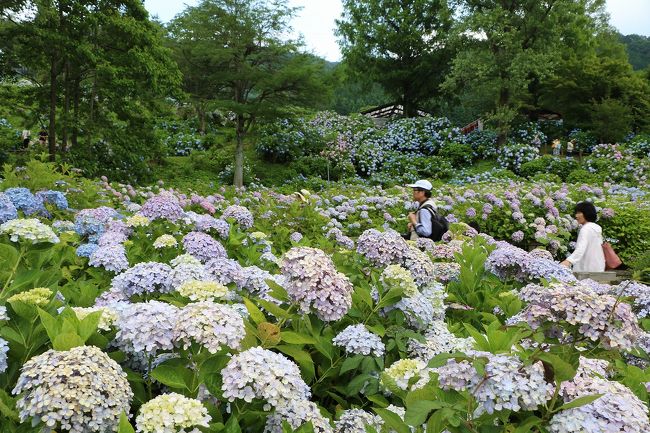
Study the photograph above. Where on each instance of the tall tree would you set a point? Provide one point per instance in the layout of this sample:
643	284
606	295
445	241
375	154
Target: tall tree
250	68
513	45
402	45
98	67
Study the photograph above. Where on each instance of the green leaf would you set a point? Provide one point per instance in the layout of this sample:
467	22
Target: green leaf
125	426
88	325
562	370
7	406
274	309
51	325
351	363
296	338
527	425
277	291
232	425
580	401
418	411
67	341
172	376
254	312
392	420
364	295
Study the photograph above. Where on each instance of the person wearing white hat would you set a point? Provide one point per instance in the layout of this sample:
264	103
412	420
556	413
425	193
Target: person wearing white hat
421	221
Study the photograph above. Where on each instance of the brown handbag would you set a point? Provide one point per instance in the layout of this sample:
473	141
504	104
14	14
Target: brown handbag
612	261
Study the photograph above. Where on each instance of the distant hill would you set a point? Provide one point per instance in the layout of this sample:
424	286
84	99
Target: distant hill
638	50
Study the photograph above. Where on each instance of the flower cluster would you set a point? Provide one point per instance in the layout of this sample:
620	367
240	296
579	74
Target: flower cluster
507	384
260	373
240	214
202	290
137	220
29	229
39	296
165	241
25	201
382	248
57	198
356	421
110	257
144	278
7	209
80	390
395	276
357	340
296	413
163	206
226	271
616	410
438	340
146	327
92	222
203	246
4	348
210	325
313	282
406	374
171	413
597	317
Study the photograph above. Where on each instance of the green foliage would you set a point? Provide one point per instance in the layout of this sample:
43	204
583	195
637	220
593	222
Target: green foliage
459	154
631	228
549	164
402	46
638	50
611	120
253	71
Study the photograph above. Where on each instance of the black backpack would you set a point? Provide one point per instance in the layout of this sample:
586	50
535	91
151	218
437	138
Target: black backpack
439	224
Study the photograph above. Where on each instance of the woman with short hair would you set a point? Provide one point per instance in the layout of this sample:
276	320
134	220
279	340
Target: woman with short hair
588	254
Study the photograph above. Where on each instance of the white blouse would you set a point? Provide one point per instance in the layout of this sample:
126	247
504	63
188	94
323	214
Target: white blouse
588	255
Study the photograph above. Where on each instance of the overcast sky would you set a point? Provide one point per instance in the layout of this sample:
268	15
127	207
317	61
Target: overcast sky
316	20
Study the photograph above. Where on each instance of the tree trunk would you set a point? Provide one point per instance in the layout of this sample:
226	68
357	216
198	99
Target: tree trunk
52	117
75	113
66	109
238	181
201	112
504	101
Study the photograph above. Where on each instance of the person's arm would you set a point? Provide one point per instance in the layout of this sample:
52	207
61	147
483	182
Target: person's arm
581	246
423	227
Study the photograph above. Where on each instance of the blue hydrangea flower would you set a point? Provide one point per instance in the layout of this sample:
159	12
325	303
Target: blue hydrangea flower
7	209
25	201
86	250
56	198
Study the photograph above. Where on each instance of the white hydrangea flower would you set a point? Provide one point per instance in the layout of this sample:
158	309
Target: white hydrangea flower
80	390
357	340
4	348
211	325
166	241
356	420
507	384
438	340
296	413
146	327
401	372
3	313
184	259
106	320
202	290
261	373
30	229
171	413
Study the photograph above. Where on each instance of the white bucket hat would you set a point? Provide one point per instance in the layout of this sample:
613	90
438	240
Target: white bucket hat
422	184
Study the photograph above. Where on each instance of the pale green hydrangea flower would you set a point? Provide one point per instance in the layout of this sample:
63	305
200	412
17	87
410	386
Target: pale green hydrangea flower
171	413
29	229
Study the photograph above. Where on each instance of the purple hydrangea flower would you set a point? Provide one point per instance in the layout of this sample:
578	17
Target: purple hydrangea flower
203	246
7	209
240	214
144	278
163	206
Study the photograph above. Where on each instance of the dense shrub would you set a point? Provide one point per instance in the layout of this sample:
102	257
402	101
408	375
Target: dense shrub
288	140
549	164
459	154
512	156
